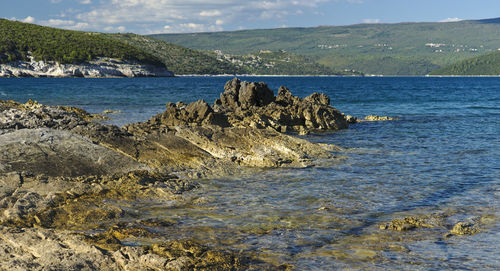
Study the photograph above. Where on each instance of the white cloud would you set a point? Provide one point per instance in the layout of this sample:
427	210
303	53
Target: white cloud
210	13
85	2
58	22
29	19
144	16
371	21
55	1
449	20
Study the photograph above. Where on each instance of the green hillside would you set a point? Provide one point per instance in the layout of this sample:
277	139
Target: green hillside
178	59
279	62
181	60
488	64
390	49
20	40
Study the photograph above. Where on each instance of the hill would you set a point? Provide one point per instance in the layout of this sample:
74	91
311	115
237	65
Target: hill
178	59
182	60
488	64
19	41
390	49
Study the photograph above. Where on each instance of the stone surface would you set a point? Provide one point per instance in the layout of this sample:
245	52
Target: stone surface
103	67
47	249
59	153
254	105
68	184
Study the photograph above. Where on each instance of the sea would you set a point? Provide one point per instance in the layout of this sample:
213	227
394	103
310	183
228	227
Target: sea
440	158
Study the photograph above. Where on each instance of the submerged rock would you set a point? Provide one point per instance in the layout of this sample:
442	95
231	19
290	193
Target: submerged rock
407	223
377	118
465	228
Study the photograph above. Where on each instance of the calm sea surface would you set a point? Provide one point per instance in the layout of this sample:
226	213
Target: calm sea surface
441	157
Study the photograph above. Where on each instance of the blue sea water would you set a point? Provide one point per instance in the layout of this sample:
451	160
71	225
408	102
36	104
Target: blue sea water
442	156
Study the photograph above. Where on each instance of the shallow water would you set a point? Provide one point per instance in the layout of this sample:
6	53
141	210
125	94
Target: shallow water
441	157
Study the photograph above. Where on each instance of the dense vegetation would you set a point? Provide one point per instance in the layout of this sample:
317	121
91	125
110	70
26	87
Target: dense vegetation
20	40
391	49
488	64
178	59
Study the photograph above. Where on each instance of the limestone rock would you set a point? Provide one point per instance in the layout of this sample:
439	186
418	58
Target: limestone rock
255	147
59	153
102	67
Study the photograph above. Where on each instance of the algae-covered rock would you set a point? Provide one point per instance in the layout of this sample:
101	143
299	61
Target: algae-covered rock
465	228
405	224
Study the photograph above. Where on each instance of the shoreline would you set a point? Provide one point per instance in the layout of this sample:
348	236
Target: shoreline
80	174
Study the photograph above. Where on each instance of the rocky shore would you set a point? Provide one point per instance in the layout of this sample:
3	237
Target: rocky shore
103	67
66	179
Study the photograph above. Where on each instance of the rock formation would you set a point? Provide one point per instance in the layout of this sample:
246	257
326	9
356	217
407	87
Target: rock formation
63	176
103	67
254	105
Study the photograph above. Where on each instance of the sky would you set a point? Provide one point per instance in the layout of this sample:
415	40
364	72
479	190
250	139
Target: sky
187	16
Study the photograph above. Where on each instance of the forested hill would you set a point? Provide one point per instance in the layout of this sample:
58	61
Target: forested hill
181	60
178	59
19	40
488	64
389	49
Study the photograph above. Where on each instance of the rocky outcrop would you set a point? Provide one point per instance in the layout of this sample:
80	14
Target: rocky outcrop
251	105
103	67
68	184
254	105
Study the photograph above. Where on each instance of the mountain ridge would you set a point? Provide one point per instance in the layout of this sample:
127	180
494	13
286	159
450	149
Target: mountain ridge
409	48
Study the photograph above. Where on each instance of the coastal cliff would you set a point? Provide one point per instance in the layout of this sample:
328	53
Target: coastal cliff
102	67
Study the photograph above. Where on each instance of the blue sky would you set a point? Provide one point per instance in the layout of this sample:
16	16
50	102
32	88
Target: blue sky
180	16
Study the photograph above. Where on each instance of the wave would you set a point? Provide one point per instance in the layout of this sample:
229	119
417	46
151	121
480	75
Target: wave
482	107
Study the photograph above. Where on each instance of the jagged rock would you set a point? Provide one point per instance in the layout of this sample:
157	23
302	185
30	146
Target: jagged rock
254	105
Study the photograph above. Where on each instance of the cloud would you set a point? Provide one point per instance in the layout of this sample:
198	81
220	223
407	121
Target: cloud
85	2
58	22
371	21
143	16
210	13
55	1
28	19
449	20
